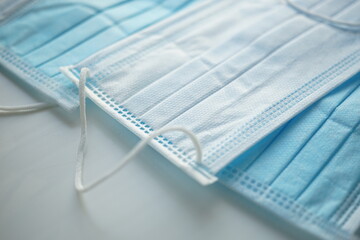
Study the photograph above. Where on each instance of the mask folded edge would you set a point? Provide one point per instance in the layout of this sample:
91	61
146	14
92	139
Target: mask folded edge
37	80
292	105
280	204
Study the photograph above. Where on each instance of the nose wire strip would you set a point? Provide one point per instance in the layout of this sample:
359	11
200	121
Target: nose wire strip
79	182
342	24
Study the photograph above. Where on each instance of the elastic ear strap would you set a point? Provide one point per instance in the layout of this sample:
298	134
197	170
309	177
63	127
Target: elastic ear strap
83	124
6	110
136	150
342	24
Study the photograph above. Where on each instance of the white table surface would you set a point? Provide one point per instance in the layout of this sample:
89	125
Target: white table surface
148	199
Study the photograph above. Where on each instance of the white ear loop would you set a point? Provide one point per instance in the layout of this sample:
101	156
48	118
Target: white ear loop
342	24
7	110
84	73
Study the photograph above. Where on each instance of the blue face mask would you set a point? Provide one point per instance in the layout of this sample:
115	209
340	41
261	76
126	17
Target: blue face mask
43	35
230	92
309	168
235	90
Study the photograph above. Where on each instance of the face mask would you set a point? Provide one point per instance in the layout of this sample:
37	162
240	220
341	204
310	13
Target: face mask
310	168
35	42
233	93
185	26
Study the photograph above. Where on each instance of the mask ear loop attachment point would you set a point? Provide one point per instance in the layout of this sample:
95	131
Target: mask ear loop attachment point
337	23
79	185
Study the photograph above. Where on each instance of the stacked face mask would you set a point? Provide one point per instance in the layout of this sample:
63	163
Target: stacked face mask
309	169
37	37
242	76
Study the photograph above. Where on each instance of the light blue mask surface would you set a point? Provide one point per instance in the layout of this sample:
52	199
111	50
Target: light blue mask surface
311	166
232	72
235	91
46	34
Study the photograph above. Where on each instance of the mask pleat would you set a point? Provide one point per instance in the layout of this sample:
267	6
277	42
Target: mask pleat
222	106
113	14
212	80
319	170
290	143
336	180
49	34
202	64
320	149
33	22
206	102
171	79
97	33
170	50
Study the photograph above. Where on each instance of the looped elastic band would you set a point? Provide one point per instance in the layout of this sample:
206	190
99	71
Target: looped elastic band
341	24
84	73
7	110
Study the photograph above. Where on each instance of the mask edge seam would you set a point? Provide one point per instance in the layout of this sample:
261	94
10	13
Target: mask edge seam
30	75
249	184
355	58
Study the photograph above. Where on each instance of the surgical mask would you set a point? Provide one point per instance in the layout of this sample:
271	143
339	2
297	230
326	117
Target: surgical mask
231	94
37	37
231	91
309	170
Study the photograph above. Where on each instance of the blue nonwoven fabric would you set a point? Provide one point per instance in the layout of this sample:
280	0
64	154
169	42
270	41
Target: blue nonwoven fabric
44	35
